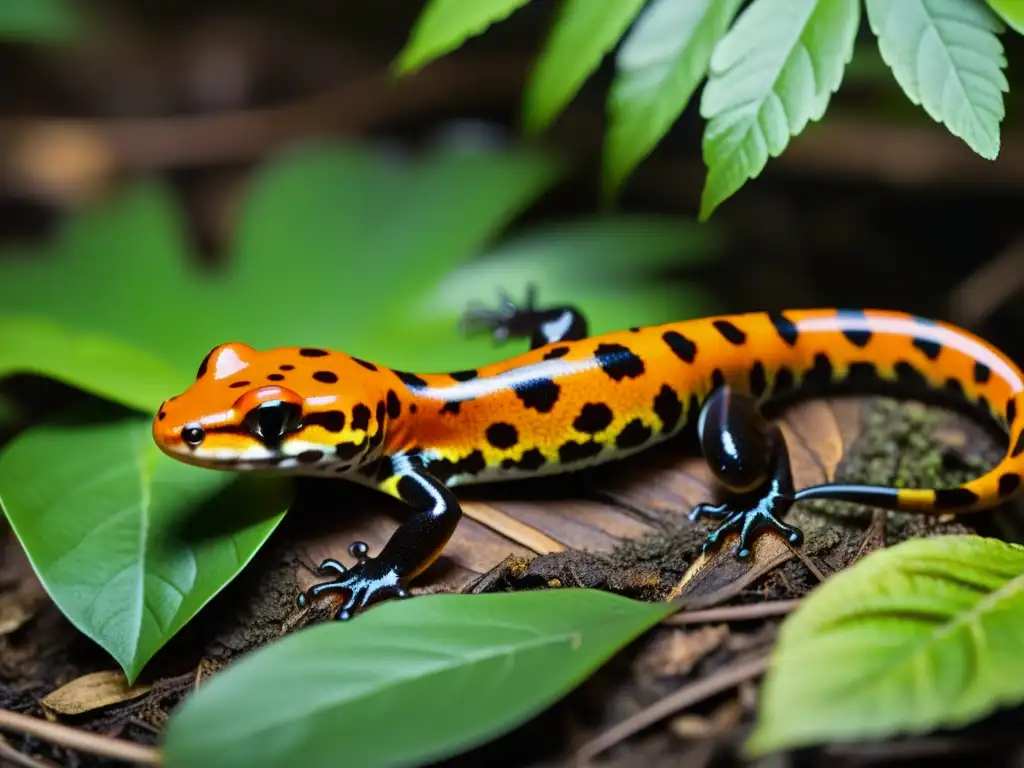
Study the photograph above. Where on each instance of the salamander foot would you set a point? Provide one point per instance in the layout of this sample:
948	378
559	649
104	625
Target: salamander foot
502	322
368	581
749	522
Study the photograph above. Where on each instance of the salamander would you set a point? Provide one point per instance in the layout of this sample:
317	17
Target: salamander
573	401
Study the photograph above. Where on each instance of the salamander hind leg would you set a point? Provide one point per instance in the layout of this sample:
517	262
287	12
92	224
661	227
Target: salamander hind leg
509	320
409	551
748	455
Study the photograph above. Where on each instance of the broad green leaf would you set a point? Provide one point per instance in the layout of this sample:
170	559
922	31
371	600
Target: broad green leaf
1010	11
38	21
130	544
444	25
584	31
433	675
928	632
771	74
95	363
946	57
660	64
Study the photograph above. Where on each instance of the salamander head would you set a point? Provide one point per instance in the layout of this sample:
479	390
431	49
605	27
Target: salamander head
290	409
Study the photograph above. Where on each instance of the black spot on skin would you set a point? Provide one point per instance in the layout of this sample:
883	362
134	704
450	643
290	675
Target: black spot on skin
692	406
348	451
593	418
863	372
784	381
953	498
161	416
730	332
983	404
821	371
333	421
541	395
502	435
857	338
275	377
286	367
668	408
981	373
367	365
634	329
464	375
452	407
385	468
203	365
930	349
360	417
376	438
556	352
381	410
412	408
717	379
310	457
758	381
1011	411
1018	447
572	451
531	460
311	352
394	405
618	362
326	377
955	388
239	384
683	348
470	464
908	374
633	434
411	379
1009	483
785	327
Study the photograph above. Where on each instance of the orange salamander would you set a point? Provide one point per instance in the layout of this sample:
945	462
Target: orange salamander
573	401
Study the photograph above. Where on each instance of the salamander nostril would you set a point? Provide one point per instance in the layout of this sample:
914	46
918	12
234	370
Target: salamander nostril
193	436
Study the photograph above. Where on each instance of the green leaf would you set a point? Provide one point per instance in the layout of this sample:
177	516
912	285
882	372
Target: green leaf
38	21
773	72
946	57
1010	11
660	64
583	33
130	544
435	675
929	633
95	363
444	25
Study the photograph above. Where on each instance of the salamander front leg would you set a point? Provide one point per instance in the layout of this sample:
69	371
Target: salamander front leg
748	455
412	548
541	326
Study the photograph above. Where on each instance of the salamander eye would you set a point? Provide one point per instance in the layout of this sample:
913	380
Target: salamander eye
272	420
193	436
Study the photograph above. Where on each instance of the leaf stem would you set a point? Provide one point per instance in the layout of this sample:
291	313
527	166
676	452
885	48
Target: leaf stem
84	741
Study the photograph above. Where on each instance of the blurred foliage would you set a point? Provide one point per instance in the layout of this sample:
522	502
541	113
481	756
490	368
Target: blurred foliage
39	21
769	74
337	246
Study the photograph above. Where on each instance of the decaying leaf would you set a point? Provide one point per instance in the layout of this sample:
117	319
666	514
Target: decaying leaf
92	691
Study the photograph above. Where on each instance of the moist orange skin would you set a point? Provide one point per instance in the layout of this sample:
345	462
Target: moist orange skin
571	404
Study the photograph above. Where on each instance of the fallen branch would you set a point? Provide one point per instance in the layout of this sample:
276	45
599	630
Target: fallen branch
686	696
734	613
73	738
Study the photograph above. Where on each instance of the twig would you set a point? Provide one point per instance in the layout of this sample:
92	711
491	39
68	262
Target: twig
734	613
685	697
10	754
73	738
507	526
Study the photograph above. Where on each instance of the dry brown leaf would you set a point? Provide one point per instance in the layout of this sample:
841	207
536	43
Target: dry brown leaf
676	653
92	691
